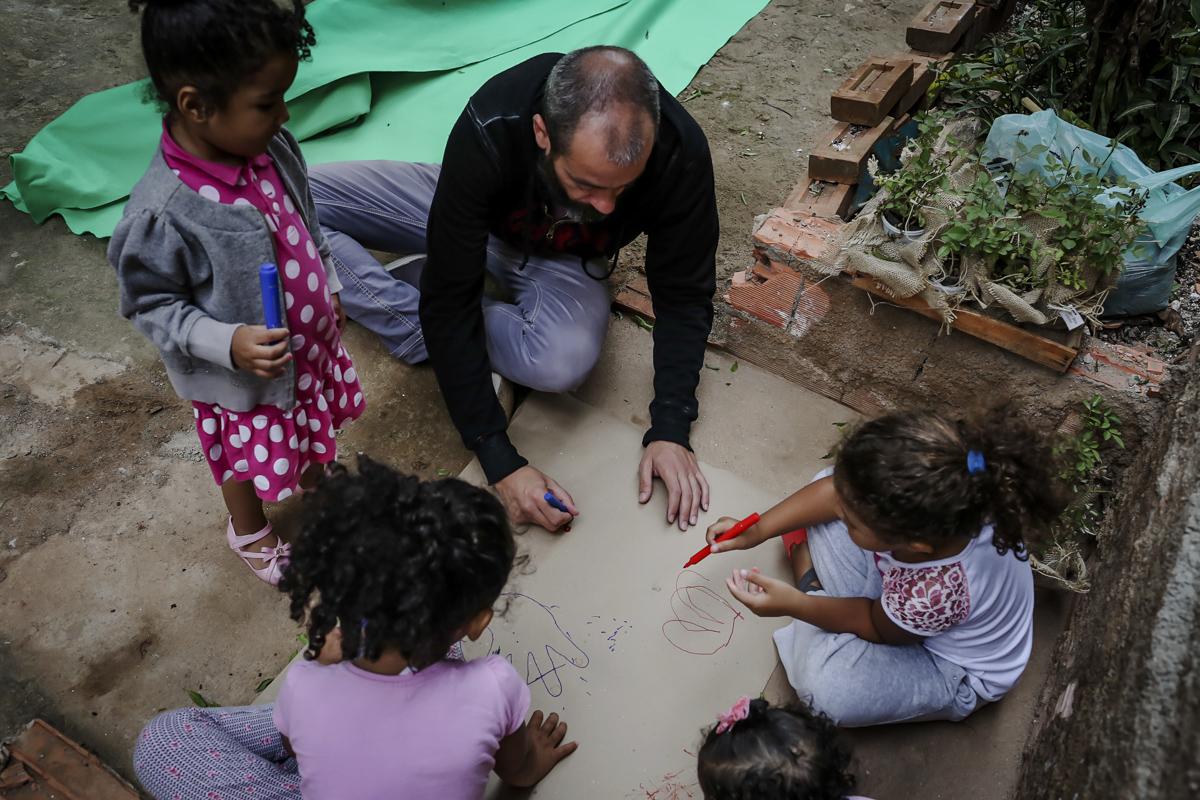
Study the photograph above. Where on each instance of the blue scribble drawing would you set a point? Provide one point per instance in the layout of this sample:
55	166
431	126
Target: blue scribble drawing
543	667
612	639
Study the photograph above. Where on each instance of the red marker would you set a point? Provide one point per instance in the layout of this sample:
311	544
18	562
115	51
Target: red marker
736	530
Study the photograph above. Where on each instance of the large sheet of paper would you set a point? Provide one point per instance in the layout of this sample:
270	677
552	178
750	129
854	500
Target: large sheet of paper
635	653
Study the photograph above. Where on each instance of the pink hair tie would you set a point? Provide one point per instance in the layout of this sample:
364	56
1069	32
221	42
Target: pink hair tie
740	710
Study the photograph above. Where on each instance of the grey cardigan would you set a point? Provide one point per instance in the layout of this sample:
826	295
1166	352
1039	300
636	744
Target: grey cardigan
187	269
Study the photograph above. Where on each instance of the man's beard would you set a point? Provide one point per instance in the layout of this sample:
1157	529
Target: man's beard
560	201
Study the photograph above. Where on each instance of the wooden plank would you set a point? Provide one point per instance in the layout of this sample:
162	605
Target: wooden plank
1024	343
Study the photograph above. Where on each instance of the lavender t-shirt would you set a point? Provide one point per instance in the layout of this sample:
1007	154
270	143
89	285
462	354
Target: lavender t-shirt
432	733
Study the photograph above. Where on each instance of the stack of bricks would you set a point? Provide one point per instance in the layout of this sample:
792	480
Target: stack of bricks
876	102
872	111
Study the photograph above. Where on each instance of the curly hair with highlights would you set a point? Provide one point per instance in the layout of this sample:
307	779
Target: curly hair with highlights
215	45
906	474
403	564
775	753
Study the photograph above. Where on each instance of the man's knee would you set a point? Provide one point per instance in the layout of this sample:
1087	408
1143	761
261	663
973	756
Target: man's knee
564	360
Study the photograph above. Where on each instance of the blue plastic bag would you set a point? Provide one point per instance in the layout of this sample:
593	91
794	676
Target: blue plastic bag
1145	283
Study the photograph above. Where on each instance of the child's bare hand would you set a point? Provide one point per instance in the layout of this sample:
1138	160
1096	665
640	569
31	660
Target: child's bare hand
546	746
261	350
743	542
766	597
338	312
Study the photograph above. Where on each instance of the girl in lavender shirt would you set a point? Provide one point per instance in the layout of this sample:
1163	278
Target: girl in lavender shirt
418	567
756	752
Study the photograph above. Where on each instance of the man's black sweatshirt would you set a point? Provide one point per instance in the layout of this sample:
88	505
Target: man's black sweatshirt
489	184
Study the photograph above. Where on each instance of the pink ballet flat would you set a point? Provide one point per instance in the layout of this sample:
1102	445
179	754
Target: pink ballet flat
273	559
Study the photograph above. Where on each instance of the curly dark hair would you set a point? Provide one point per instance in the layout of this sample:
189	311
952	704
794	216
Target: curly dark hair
788	753
215	45
403	563
905	474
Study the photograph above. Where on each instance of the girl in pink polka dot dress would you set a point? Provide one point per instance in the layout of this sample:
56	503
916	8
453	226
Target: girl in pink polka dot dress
226	192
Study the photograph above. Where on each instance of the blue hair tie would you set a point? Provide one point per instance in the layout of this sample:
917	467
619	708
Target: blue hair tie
975	462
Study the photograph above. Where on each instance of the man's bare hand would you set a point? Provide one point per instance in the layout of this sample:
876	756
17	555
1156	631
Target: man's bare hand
523	494
678	469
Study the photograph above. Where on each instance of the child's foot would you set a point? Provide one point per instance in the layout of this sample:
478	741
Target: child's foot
802	568
262	551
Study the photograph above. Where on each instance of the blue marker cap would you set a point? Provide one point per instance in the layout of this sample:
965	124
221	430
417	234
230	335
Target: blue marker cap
268	279
556	503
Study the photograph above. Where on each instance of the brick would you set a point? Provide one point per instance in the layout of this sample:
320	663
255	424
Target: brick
916	98
936	61
841	155
1132	370
46	764
1001	10
899	124
821	199
766	293
790	237
940	26
634	296
981	25
871	91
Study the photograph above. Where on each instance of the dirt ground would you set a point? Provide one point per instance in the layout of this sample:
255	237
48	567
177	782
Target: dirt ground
117	593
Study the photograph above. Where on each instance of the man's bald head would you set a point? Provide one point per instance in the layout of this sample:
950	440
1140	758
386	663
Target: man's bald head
608	90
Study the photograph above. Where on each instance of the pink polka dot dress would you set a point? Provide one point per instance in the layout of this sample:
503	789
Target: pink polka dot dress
268	445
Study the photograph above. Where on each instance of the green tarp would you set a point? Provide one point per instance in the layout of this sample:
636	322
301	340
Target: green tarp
387	80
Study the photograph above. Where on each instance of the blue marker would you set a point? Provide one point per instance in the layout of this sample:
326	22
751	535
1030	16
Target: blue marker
268	279
556	503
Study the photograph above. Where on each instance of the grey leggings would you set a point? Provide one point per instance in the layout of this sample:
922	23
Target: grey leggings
857	682
548	338
215	754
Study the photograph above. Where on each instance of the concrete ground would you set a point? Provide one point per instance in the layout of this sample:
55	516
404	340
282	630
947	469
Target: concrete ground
117	593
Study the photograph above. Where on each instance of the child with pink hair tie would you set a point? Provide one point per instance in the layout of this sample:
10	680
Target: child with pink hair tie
760	752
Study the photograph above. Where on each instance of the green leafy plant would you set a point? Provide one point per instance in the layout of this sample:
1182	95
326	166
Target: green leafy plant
1101	426
919	178
1084	470
1090	237
985	227
1128	69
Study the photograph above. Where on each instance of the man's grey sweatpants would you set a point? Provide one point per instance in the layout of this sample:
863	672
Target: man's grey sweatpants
854	681
548	339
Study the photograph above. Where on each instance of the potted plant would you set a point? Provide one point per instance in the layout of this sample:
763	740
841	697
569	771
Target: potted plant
986	228
1095	218
910	187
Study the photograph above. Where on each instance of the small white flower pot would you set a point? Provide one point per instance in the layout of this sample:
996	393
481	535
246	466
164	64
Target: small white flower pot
896	232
